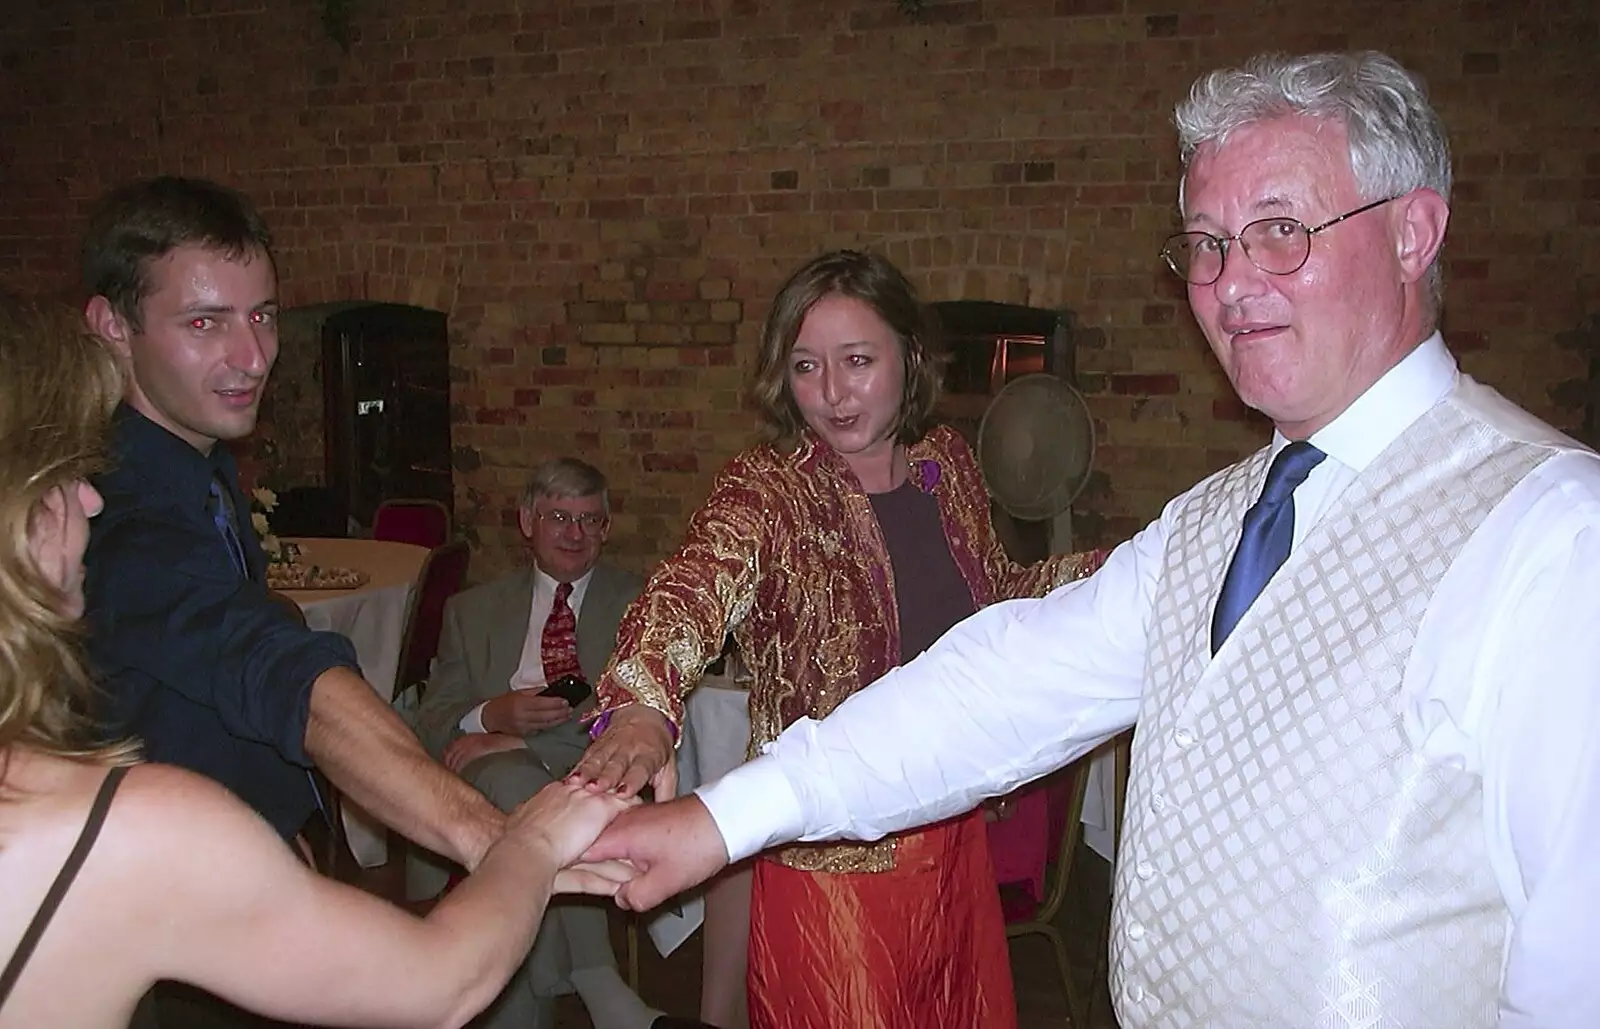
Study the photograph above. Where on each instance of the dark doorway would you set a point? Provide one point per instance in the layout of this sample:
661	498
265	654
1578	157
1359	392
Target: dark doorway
386	383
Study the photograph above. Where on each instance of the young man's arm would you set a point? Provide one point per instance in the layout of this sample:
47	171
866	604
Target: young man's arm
369	753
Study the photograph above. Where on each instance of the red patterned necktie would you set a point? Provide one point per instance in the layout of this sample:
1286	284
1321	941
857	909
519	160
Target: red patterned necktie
558	644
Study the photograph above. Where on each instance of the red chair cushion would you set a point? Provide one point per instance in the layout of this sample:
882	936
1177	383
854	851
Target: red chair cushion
1019	845
424	525
442	576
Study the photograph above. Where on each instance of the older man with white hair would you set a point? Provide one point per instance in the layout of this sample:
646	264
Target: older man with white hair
1366	778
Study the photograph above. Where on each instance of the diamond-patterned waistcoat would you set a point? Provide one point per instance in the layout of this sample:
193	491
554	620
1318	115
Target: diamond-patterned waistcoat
1289	859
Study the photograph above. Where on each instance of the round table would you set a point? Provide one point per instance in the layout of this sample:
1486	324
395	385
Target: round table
372	616
716	731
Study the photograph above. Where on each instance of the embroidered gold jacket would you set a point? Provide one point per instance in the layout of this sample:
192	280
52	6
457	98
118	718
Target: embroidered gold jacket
787	555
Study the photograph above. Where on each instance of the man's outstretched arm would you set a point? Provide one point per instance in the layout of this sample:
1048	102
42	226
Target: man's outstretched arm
370	754
1009	694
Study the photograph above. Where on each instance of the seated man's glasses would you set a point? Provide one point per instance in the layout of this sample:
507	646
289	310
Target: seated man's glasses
1278	246
590	522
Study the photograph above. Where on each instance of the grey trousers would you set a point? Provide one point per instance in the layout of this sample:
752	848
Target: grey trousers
573	934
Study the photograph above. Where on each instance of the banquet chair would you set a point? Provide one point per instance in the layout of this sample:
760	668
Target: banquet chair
1100	985
443	572
425	523
1030	907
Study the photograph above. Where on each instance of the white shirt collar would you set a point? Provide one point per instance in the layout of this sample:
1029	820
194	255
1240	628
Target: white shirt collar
1387	408
545	587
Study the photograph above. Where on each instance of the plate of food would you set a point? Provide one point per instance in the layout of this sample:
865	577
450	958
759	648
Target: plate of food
314	577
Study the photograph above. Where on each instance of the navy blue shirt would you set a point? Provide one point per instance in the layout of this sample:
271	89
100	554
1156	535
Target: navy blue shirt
195	659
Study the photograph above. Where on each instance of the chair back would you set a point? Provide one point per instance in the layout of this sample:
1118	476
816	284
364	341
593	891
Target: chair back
443	572
1055	804
1049	824
425	523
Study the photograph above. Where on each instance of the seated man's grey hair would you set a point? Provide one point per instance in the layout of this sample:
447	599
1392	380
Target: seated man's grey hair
562	478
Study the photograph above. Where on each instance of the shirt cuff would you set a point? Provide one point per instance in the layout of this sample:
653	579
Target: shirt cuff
754	807
472	721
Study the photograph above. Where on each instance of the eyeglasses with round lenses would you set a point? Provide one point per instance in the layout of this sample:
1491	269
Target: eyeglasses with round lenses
1278	246
590	522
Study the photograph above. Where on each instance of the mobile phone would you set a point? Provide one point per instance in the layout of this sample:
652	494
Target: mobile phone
570	688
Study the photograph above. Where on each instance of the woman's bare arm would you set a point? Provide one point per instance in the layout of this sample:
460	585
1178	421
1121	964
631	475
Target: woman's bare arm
210	895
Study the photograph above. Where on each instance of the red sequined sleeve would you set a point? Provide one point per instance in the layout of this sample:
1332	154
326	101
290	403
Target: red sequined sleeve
676	626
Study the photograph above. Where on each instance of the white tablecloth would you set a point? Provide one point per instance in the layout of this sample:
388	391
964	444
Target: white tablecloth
716	733
372	617
1099	801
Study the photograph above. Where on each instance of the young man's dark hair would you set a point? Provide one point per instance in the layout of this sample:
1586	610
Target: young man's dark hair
147	219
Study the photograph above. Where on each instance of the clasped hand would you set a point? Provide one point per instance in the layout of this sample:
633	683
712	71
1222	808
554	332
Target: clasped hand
611	846
560	823
662	848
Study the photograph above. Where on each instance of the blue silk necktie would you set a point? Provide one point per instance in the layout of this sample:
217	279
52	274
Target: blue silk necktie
221	506
1264	541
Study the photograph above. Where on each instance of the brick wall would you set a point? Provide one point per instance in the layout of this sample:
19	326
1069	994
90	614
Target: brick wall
603	196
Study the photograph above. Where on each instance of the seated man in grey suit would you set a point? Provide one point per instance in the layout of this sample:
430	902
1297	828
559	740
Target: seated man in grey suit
488	716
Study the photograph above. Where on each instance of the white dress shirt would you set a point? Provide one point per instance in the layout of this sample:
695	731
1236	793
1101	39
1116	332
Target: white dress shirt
1504	679
530	669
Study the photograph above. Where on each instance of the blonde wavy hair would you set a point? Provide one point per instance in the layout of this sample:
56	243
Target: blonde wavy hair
58	386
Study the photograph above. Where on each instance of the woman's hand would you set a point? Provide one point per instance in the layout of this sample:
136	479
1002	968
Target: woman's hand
635	749
600	878
562	821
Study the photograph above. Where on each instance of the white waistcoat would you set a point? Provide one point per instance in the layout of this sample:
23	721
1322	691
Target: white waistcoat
1289	860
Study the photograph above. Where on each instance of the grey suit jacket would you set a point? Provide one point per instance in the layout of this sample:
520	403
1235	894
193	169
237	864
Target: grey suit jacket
481	645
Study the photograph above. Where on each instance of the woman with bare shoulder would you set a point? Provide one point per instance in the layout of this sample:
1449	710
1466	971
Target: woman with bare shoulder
119	874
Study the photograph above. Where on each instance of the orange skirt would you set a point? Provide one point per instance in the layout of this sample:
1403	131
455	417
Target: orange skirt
920	947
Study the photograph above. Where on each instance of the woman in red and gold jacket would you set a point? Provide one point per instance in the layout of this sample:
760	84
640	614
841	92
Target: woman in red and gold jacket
835	552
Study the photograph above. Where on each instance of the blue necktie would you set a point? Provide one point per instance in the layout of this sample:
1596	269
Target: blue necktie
222	517
1264	542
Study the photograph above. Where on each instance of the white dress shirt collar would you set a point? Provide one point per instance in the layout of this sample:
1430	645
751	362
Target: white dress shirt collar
544	592
1378	416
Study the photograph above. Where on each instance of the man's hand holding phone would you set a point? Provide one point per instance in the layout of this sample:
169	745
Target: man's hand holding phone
521	711
570	688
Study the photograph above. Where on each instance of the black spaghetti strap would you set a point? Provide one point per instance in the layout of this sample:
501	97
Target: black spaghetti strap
63	882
